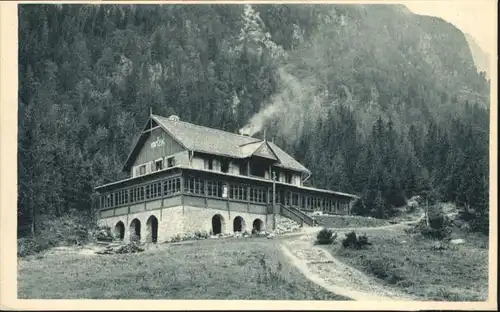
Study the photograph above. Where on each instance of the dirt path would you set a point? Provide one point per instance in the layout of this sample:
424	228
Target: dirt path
319	266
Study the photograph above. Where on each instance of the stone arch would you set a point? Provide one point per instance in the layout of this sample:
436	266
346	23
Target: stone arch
119	231
152	229
258	225
218	224
135	230
239	224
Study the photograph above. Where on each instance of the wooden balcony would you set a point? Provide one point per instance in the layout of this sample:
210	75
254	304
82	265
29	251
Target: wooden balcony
208	189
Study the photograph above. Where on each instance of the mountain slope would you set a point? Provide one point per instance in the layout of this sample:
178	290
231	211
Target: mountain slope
481	58
372	98
379	60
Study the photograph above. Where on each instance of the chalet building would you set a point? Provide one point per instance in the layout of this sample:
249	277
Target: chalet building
187	178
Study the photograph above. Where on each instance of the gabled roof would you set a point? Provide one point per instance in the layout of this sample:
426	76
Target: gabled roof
217	142
286	161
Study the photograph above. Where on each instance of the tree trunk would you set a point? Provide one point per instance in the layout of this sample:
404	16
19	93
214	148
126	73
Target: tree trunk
33	221
426	212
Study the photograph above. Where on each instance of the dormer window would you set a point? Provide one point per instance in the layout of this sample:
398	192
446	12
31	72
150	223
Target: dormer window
170	162
209	164
142	170
158	164
224	165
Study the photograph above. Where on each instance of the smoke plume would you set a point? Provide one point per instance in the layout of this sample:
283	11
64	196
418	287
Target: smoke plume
295	104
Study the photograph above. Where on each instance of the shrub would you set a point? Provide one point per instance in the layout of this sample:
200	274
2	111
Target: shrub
384	270
326	237
104	234
202	234
439	233
480	224
437	222
176	238
32	245
351	240
67	230
439	225
363	240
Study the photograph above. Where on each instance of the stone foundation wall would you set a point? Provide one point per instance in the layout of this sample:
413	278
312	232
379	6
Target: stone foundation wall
196	218
182	219
170	223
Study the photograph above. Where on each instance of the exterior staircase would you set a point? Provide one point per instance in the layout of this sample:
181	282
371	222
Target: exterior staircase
295	214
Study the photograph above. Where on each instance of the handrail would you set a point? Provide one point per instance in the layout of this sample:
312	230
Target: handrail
305	216
296	212
293	215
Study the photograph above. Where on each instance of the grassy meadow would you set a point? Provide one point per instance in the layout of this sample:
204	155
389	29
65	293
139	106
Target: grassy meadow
410	263
244	269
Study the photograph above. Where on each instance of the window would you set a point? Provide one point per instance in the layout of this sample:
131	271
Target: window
215	189
278	196
295	199
177	185
257	195
170	162
142	169
288	178
237	192
141	193
194	186
154	190
243	167
224	166
132	196
171	186
168	187
211	188
158	164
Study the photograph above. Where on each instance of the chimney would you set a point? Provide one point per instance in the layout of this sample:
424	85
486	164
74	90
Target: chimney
173	118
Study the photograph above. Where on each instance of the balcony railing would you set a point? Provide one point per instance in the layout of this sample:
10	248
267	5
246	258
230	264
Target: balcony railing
231	191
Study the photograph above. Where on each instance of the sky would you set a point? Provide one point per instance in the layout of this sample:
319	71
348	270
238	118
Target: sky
476	17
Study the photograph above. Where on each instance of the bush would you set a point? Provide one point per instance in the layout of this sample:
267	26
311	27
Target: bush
201	234
351	240
439	225
384	270
68	230
437	222
439	233
326	237
32	245
480	224
104	234
176	238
